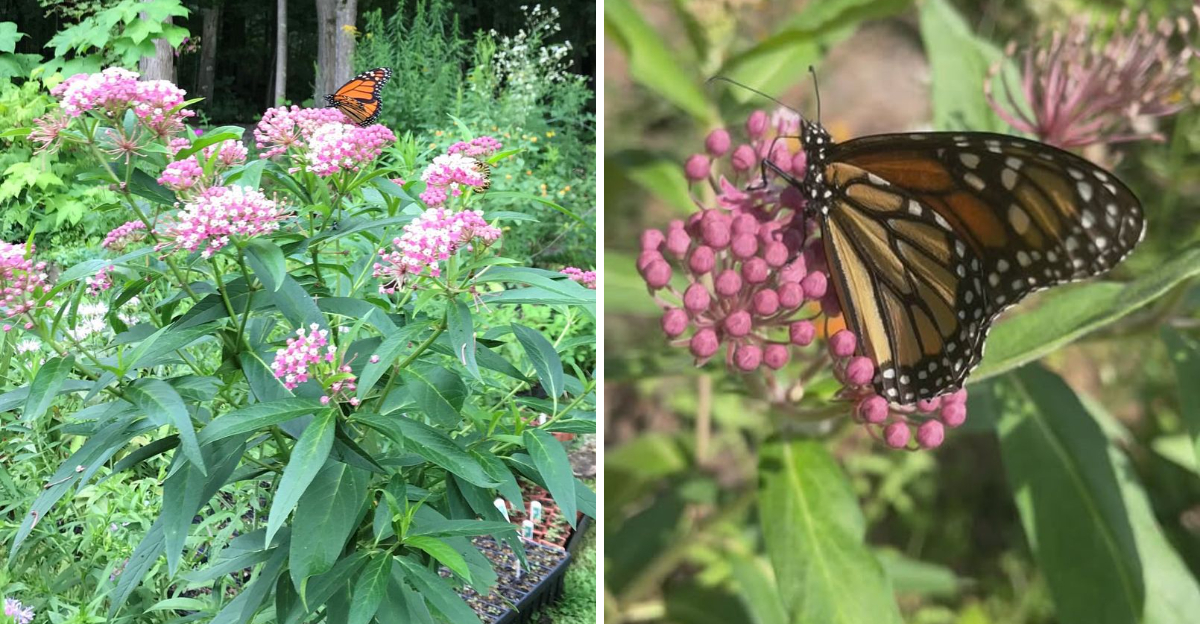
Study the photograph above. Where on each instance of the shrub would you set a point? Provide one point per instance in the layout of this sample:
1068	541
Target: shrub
314	364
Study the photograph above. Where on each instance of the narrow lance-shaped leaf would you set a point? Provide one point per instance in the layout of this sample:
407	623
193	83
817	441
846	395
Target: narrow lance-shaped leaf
163	406
1185	355
267	261
370	589
461	330
46	384
550	458
814	531
546	362
308	456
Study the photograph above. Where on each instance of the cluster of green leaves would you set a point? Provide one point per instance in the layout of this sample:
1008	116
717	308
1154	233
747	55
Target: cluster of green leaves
120	34
1079	524
360	505
466	89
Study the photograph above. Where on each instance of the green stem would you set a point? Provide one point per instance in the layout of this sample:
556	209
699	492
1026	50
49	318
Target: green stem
409	360
224	295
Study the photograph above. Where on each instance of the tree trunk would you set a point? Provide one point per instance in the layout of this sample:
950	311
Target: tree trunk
281	53
206	78
161	66
335	46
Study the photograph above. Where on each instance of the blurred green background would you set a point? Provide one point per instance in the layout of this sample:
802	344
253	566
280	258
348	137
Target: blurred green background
1070	495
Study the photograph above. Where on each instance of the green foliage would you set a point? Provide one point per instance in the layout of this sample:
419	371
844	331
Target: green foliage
120	34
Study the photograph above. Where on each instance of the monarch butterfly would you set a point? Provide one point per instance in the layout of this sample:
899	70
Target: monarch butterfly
929	236
359	98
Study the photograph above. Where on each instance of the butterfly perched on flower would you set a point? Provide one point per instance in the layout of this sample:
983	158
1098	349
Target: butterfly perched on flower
359	98
929	236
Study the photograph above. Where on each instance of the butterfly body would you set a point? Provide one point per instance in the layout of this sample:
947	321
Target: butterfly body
359	98
930	236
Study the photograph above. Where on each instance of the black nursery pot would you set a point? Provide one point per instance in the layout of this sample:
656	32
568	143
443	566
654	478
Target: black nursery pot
514	600
576	537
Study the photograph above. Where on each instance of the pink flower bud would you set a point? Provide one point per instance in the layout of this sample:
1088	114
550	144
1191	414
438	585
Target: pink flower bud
324	400
896	435
696	299
859	371
744	246
776	355
873	409
717	142
745	224
756	125
702	260
791	295
738	323
801	333
815	284
657	274
674	322
755	270
744	158
715	230
646	257
704	343
374	358
678	241
776	254
930	434
748	358
953	414
793	271
697	168
651	239
929	406
842	344
781	157
766	302
958	396
728	283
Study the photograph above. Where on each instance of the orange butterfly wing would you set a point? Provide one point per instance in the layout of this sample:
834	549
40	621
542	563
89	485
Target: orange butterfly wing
359	98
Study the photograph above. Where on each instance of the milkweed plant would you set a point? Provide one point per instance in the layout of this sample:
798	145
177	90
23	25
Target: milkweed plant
300	314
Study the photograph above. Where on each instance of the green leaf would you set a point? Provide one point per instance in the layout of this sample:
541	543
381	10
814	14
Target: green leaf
243	606
9	36
268	263
546	362
1063	318
911	576
257	416
462	336
146	187
370	589
437	391
309	454
660	175
497	471
459	528
1185	355
387	351
163	406
437	592
530	197
151	350
211	137
550	458
325	518
182	492
813	531
757	589
1082	507
296	305
46	385
959	62
651	63
442	552
431	444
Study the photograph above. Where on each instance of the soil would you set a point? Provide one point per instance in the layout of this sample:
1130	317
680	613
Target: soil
510	588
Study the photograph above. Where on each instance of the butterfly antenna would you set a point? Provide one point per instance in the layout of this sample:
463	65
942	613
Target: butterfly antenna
752	90
816	92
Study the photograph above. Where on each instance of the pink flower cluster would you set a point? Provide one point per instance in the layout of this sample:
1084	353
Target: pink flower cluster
341	146
100	282
121	236
309	355
19	613
283	128
479	146
115	90
432	237
22	281
757	284
446	177
307	349
219	213
586	278
188	174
